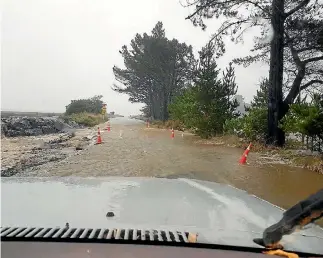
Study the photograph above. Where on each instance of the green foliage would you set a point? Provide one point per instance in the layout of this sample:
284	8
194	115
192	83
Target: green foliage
230	88
261	97
90	105
184	108
215	96
252	126
255	124
86	119
233	126
305	118
205	107
291	46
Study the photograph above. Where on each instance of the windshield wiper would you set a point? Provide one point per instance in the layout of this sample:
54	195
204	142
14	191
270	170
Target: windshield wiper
298	216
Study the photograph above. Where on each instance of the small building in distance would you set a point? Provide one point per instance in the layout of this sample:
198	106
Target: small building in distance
242	105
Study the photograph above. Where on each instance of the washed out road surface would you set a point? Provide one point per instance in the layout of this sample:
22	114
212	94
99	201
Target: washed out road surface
131	149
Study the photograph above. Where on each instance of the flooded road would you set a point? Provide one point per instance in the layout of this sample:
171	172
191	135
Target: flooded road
130	149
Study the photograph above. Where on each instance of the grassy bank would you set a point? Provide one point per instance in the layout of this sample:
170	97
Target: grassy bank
291	154
86	119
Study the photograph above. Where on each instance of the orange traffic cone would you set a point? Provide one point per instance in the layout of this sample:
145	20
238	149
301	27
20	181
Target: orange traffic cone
108	127
99	140
244	156
173	134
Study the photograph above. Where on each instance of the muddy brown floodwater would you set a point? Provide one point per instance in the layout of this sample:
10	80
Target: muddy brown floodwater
130	149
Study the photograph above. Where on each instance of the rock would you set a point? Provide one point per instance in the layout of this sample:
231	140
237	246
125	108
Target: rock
59	125
33	126
48	129
33	132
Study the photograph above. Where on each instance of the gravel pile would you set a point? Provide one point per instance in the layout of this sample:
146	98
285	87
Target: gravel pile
26	153
33	126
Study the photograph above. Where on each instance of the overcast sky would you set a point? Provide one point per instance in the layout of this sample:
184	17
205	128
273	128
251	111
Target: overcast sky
53	51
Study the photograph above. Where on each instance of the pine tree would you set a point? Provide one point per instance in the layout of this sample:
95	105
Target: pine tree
260	100
214	95
231	88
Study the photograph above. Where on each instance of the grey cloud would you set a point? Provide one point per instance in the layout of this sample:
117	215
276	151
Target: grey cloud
57	50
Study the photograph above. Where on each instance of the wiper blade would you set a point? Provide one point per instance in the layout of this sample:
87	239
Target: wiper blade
298	216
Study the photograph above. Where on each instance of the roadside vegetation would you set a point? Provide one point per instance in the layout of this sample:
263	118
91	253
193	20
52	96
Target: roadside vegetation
188	92
86	112
85	119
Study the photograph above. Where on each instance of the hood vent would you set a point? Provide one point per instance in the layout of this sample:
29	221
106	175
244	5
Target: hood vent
89	233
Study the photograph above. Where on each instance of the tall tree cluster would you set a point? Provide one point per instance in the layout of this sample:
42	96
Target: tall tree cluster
164	75
290	41
156	70
210	101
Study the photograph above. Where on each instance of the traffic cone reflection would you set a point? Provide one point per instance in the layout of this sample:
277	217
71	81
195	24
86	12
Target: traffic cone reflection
99	139
244	156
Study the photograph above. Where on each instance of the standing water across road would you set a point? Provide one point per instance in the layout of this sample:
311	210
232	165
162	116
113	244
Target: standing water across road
131	149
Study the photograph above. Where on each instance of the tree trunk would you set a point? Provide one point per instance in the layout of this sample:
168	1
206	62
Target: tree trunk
276	107
293	92
151	105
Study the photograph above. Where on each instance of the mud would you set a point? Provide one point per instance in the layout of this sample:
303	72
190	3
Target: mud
131	149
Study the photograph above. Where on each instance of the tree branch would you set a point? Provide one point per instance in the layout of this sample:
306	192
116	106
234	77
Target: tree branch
225	28
258	6
307	49
306	85
293	51
199	8
298	7
318	58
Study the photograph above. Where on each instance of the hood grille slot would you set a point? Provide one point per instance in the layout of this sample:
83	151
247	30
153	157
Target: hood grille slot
89	233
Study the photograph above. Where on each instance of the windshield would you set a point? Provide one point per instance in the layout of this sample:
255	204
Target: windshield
219	101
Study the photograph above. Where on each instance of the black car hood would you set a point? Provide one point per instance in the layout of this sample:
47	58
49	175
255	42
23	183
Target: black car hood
219	213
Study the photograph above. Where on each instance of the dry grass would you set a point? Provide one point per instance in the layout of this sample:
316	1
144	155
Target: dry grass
86	119
175	124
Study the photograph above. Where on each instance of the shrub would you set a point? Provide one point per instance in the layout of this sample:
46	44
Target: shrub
175	124
252	126
255	124
90	105
233	126
86	119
